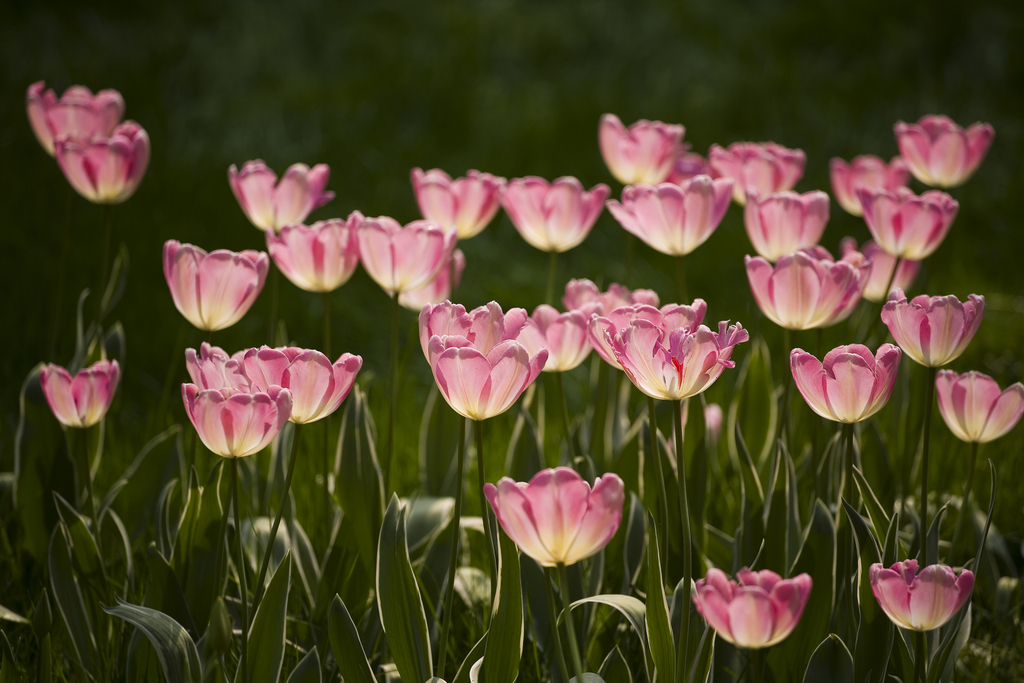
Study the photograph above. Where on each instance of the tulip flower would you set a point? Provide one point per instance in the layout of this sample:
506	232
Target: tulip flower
603	329
271	205
466	204
105	170
674	219
77	114
320	257
713	419
920	601
80	401
807	289
759	611
583	295
933	330
939	152
399	258
784	222
234	423
906	225
974	408
688	165
762	167
317	386
553	217
882	264
483	327
564	335
865	172
850	385
440	288
213	368
213	290
444	319
556	518
643	153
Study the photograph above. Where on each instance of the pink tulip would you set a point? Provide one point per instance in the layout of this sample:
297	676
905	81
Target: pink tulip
920	602
974	408
556	518
214	369
603	329
564	335
583	295
807	289
317	386
762	167
713	419
784	222
402	259
444	320
865	172
941	153
674	219
882	264
675	362
483	327
80	401
687	166
642	153
271	205
906	225
758	612
553	217
467	204
933	330
850	385
440	288
105	170
214	290
77	114
234	423
320	257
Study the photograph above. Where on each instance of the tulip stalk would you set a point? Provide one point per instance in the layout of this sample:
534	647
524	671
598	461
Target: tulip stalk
964	503
684	510
328	469
570	625
485	512
565	420
659	474
681	280
787	380
258	589
549	296
453	558
559	653
919	657
85	470
393	391
107	220
243	592
929	399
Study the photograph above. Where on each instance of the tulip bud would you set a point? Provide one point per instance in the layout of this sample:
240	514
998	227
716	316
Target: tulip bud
920	601
564	335
77	114
939	152
271	205
643	153
933	331
850	385
553	217
465	204
974	408
105	170
759	167
80	401
865	172
213	290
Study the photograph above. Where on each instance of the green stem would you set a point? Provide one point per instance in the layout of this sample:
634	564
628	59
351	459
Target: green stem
108	210
787	380
964	503
757	665
570	625
559	653
929	399
552	273
453	558
565	420
597	442
846	478
61	270
243	592
392	392
86	471
258	588
659	475
327	324
684	510
630	242
485	508
272	336
919	657
222	538
681	280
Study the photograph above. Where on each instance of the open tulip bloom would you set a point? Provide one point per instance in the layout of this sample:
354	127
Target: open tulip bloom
234	423
465	204
271	205
77	114
939	152
642	153
974	408
906	225
783	222
850	385
602	329
80	401
483	327
882	265
213	368
759	611
865	172
584	295
440	288
400	258
213	290
763	167
564	335
105	170
935	330
319	257
920	601
553	217
317	386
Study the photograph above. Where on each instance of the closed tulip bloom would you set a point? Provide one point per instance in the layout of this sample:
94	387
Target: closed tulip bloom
271	205
320	257
687	166
105	170
444	320
974	408
807	289
906	225
713	418
602	329
234	423
882	264
400	258
438	289
865	172
759	611
553	217
556	518
674	219
933	330
784	222
583	295
920	601
213	290
466	204
80	401
213	368
939	152
850	385
564	335
317	386
642	153
78	113
762	167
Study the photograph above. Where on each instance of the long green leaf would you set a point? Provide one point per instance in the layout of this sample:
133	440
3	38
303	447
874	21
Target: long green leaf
754	407
266	638
831	662
360	486
178	655
69	600
659	627
635	613
308	669
504	646
874	638
346	646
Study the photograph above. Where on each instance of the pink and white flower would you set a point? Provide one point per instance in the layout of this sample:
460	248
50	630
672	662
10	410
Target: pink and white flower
465	204
906	225
785	222
974	408
553	217
105	170
213	290
234	423
850	384
564	335
77	114
584	295
760	167
319	257
865	172
759	611
643	153
400	259
920	601
939	152
318	386
602	329
271	205
80	401
935	330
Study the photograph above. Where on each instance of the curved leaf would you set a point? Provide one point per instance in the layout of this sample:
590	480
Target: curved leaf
308	669
178	655
266	638
69	599
504	646
659	628
635	613
830	662
346	646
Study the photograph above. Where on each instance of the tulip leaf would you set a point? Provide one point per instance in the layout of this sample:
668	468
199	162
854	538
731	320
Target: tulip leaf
179	658
308	669
45	659
204	552
633	543
956	634
615	667
931	554
42	616
472	663
754	407
12	616
635	613
750	533
877	514
164	592
874	638
504	647
70	604
398	599
346	646
586	677
360	484
659	627
830	662
437	445
266	637
890	550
